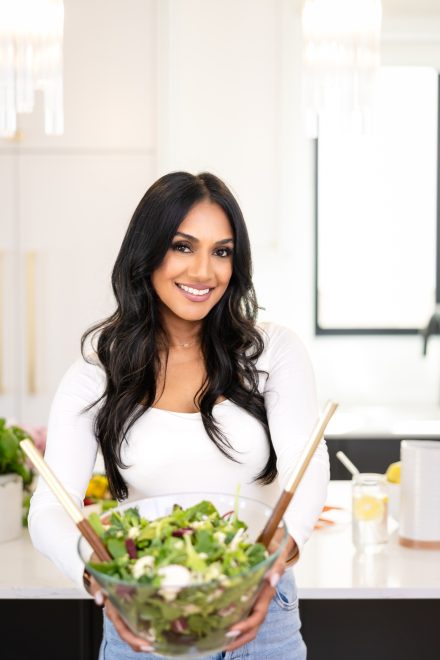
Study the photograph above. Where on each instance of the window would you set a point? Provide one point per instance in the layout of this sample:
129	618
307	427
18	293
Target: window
376	213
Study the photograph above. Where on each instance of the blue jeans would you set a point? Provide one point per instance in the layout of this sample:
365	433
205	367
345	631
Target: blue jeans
279	636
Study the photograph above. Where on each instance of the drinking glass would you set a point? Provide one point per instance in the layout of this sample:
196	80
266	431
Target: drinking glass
369	511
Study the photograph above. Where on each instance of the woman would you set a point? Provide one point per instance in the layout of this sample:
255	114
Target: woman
186	392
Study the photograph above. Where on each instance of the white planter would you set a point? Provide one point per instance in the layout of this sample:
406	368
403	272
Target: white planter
11	502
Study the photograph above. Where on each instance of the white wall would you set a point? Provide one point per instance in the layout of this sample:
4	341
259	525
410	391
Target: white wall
229	95
191	84
69	199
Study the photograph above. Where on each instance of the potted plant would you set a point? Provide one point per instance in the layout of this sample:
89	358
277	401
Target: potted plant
14	474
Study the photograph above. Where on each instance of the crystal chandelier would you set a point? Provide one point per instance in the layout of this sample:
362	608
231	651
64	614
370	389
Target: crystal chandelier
31	58
341	60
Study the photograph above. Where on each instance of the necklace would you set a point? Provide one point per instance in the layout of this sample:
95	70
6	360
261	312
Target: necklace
185	344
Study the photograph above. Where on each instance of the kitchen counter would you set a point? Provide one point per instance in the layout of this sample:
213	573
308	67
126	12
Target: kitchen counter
332	569
25	573
421	421
383	606
328	569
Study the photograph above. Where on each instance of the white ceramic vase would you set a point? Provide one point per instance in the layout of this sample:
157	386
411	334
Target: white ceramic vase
11	503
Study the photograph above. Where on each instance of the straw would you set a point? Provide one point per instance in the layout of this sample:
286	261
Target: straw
295	478
347	463
65	500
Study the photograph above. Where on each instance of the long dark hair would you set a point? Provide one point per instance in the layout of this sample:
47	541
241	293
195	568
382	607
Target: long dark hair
127	341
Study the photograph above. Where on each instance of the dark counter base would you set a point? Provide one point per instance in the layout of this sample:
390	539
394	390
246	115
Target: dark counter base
49	630
368	454
371	629
332	629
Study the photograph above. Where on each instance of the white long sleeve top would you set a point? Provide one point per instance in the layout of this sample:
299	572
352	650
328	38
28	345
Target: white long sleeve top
171	452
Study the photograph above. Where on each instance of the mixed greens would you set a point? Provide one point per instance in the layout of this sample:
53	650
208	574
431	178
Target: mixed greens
186	576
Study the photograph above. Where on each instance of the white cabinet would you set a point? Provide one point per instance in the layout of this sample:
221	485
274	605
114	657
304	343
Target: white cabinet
65	202
8	286
73	216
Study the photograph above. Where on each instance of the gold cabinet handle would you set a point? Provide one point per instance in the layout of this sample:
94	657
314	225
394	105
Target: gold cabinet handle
2	277
31	322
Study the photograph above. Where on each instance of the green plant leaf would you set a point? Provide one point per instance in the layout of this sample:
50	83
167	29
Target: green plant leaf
12	457
9	446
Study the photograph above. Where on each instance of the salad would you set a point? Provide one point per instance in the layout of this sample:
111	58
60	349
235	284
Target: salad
182	578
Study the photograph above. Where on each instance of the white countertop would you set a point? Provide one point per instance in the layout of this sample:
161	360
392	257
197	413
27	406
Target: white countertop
331	568
25	573
328	569
385	421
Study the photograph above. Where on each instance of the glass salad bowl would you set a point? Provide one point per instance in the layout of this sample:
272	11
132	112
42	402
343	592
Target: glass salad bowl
183	591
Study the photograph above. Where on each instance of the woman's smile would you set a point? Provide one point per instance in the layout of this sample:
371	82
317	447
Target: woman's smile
195	292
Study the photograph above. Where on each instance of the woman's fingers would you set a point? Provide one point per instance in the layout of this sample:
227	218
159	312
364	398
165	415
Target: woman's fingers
248	628
243	639
124	632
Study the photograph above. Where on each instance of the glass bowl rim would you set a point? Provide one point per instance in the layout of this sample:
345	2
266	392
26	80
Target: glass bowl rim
118	581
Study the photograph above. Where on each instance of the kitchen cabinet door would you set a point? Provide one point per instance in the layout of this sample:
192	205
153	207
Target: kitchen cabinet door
65	201
73	214
9	353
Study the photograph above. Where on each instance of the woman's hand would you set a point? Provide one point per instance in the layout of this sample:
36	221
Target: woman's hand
136	643
247	630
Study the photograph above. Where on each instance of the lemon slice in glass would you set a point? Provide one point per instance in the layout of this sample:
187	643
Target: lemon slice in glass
368	507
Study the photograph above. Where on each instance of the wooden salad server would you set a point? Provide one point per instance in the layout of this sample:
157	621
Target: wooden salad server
64	498
295	478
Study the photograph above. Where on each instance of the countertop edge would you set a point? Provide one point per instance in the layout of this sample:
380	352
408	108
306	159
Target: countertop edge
40	593
375	593
306	593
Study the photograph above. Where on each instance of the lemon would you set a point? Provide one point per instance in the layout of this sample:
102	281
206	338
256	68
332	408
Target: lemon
368	507
393	473
97	486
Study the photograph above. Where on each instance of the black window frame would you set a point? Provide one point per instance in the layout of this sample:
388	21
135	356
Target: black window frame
319	330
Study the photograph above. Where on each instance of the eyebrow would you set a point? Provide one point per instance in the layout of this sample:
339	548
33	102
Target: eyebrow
196	240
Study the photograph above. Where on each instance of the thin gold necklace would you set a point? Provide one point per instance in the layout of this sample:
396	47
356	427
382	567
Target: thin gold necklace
186	344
